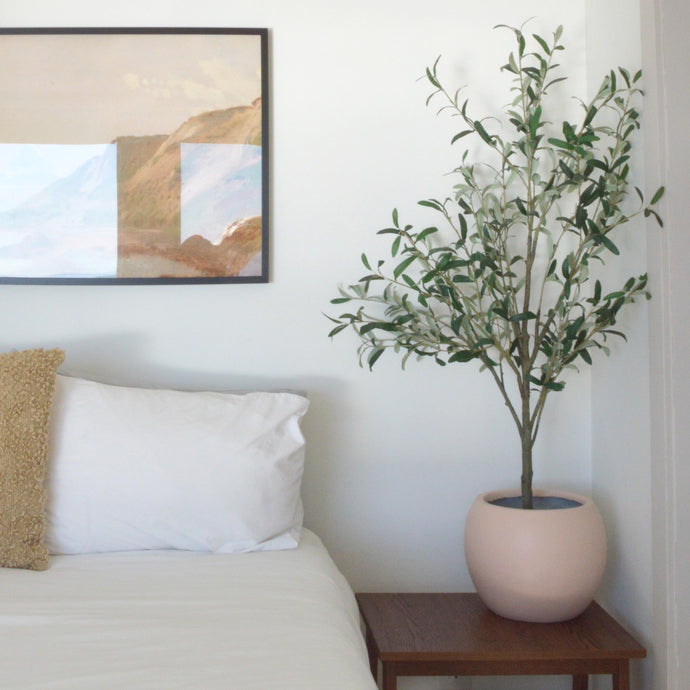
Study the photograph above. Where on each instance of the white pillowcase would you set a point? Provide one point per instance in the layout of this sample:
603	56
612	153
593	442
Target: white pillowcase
132	469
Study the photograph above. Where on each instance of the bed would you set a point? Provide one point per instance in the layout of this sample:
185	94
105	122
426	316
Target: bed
174	619
135	561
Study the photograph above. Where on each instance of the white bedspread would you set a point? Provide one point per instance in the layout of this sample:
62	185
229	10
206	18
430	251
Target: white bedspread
283	620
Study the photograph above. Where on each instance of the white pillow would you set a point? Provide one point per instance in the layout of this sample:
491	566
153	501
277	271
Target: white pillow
133	468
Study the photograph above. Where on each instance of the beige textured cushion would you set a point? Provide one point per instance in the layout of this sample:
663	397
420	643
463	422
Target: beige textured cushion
27	381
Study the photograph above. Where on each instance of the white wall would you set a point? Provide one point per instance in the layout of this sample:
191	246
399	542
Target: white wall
620	389
666	55
640	443
649	587
395	458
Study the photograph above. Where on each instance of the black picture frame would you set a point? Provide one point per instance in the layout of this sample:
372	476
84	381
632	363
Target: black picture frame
150	142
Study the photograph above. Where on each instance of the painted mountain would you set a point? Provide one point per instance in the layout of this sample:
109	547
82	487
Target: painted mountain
63	222
181	205
189	204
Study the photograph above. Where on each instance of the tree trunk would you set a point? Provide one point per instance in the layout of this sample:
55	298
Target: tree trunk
526	480
527	443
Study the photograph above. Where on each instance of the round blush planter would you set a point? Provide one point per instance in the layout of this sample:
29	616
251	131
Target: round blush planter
541	565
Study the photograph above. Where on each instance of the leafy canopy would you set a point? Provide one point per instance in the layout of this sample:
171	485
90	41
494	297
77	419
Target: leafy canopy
505	276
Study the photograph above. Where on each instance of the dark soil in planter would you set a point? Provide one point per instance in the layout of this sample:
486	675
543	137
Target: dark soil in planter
538	502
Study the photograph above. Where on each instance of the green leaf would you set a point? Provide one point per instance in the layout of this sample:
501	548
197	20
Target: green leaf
649	212
614	295
463	226
460	135
554	385
377	325
429	276
568	172
569	131
482	132
395	218
431	203
396	245
410	282
586	356
463	356
402	266
554	81
525	316
534	122
590	115
608	244
580	217
456	324
340	300
552	267
542	43
365	261
337	329
373	357
425	233
559	143
431	76
535	74
598	164
657	195
465	206
610	331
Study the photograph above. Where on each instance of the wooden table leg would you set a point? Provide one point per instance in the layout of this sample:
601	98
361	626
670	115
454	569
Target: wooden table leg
390	676
621	679
580	682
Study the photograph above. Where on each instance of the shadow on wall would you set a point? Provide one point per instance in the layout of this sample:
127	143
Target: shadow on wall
120	359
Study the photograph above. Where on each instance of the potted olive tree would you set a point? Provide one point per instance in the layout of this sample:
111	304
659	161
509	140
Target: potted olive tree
512	275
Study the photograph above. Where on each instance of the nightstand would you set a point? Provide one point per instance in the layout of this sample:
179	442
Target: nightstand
456	635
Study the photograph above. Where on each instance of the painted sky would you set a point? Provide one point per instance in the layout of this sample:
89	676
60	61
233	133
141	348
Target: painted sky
62	224
90	88
27	169
221	184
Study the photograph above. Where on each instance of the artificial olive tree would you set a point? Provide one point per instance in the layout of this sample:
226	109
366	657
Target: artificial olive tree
512	274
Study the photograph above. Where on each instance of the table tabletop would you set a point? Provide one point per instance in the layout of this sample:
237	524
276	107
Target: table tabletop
459	627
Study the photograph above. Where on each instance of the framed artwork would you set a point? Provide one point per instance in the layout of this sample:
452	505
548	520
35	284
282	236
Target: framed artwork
133	156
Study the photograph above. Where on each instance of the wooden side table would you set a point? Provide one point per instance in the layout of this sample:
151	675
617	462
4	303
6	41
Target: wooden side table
456	635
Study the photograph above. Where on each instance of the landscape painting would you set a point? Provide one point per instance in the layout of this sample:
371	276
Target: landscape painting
133	155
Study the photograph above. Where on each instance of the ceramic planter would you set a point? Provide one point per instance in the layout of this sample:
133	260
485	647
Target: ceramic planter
540	565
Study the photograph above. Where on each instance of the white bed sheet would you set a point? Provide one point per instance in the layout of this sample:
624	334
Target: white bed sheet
283	620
